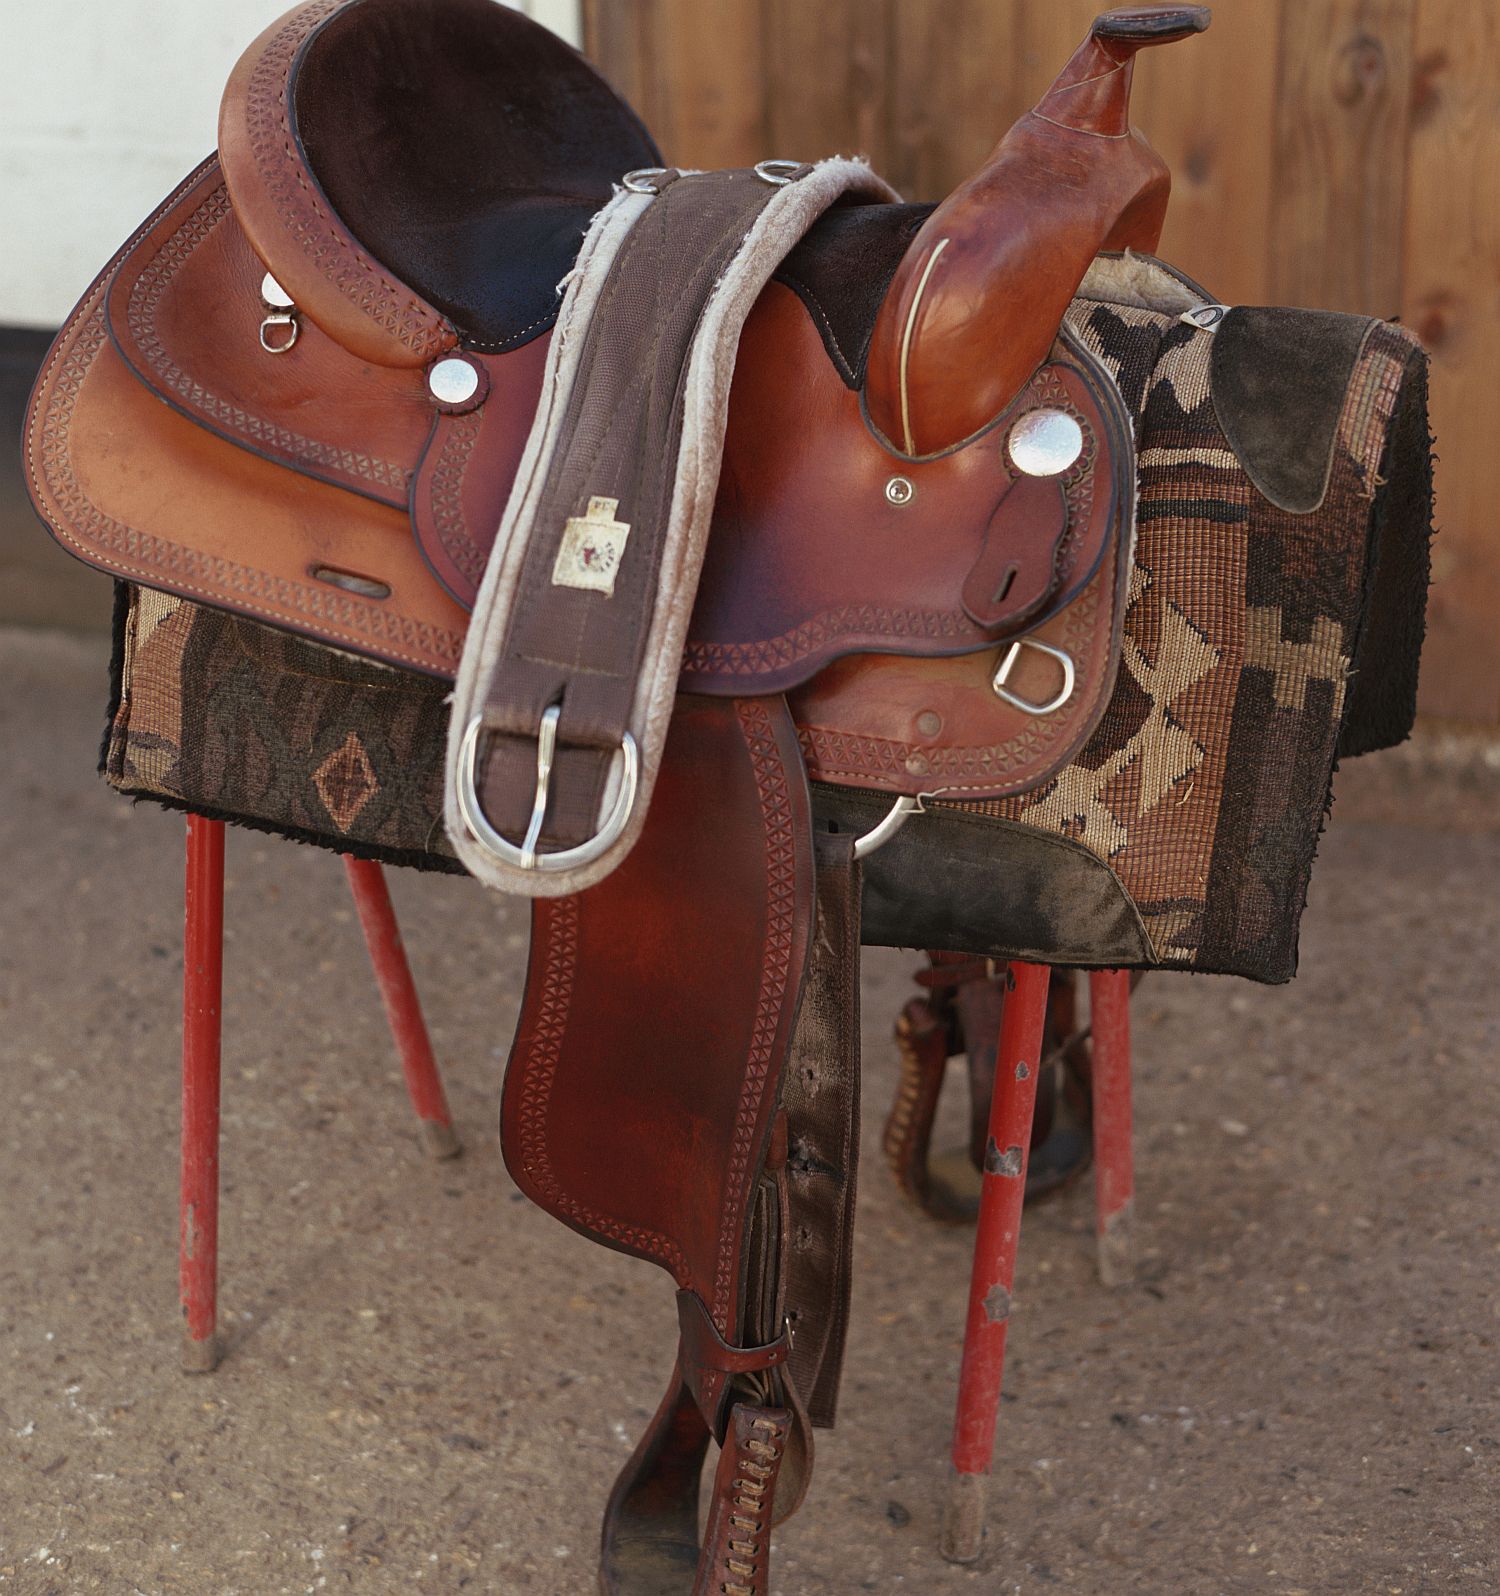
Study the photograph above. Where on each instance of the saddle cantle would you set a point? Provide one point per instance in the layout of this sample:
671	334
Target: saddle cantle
345	386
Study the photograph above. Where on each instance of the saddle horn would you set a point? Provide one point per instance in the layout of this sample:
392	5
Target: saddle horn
977	300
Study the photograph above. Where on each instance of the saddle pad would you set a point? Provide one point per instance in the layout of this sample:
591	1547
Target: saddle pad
1261	644
1181	836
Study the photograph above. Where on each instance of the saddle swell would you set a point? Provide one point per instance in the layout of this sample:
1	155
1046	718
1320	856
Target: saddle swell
997	263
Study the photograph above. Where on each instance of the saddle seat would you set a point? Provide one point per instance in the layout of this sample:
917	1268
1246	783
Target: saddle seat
463	150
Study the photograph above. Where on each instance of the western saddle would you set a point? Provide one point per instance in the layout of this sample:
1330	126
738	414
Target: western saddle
701	487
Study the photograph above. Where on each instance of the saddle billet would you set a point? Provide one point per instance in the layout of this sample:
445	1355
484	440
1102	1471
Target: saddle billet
331	357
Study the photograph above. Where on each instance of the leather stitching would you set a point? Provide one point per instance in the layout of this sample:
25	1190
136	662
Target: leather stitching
323	239
445	495
779	823
145	298
333	616
838	630
853	757
814	305
556	934
497	346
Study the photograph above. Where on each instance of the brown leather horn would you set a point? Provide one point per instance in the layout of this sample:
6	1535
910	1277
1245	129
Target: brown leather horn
976	303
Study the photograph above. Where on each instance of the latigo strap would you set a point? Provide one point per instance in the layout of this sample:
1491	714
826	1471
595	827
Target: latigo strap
821	1099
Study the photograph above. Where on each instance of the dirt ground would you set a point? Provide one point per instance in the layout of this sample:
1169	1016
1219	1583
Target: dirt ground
429	1384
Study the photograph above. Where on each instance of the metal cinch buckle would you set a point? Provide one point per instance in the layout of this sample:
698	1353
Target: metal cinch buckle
1008	664
526	857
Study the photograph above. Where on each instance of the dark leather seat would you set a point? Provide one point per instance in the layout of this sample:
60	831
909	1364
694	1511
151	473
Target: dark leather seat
465	152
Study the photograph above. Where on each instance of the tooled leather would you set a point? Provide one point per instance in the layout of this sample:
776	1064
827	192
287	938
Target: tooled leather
710	662
457	437
801	504
140	555
143	293
349	621
822	632
1085	629
555	932
389	306
445	491
618	1196
1078	482
155	292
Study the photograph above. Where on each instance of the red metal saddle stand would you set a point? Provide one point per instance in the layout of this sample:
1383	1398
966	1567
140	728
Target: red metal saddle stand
202	1026
1001	1198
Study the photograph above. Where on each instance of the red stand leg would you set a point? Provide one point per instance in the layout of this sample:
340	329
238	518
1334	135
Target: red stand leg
1001	1196
1114	1165
403	1010
202	987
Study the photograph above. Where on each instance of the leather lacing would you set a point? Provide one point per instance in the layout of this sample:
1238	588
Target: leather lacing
903	1116
747	1523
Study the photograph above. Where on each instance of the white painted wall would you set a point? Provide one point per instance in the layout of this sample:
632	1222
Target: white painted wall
108	104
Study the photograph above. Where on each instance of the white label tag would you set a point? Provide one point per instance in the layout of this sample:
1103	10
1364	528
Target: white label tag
592	548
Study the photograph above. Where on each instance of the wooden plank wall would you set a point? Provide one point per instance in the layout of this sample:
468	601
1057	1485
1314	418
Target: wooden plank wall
1334	153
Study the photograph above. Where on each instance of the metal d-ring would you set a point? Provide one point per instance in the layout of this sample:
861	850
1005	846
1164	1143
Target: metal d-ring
526	857
280	319
635	180
281	311
899	813
1008	664
778	173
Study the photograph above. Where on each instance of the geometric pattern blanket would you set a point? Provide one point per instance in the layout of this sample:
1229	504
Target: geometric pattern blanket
1260	645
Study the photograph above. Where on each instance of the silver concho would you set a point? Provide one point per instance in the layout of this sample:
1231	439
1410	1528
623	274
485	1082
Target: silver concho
1044	443
453	381
275	296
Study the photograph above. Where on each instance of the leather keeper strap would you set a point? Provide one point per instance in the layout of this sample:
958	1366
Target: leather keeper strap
592	577
710	1364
